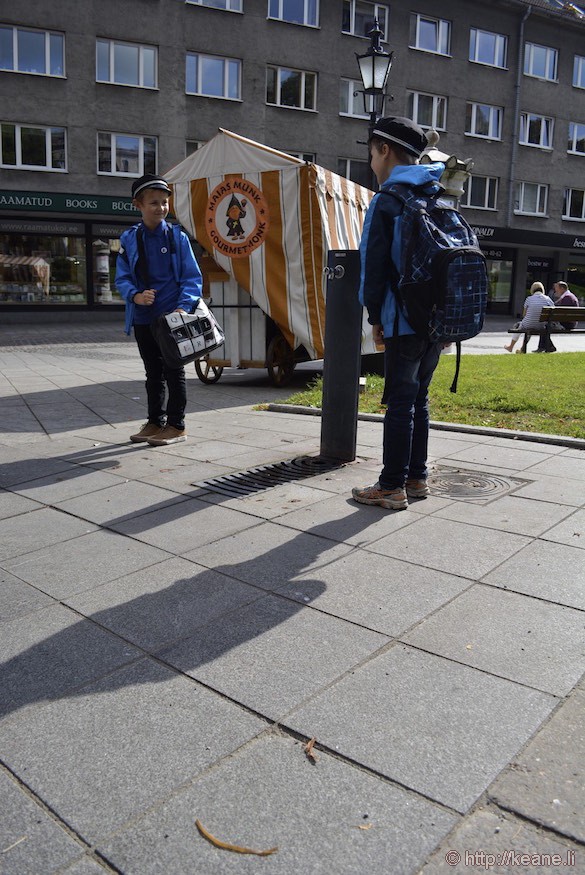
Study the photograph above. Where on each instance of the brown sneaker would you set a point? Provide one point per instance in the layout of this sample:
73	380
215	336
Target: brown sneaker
417	488
168	435
393	499
148	430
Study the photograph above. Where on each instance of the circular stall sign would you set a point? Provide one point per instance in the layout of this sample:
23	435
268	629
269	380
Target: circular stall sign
237	218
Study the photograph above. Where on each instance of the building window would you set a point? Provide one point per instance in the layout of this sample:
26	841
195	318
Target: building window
351	99
358	171
294	88
42	269
192	146
579	71
536	130
483	120
32	147
428	110
540	61
295	11
531	198
358	18
576	139
23	50
212	76
430	34
126	154
481	193
574	204
309	157
126	63
228	5
488	48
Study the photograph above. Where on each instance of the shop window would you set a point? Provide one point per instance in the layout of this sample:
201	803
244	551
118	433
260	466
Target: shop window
536	130
24	50
579	71
358	171
291	88
28	147
430	34
531	199
540	61
42	269
499	271
126	63
295	11
105	249
228	5
427	110
576	139
358	16
576	281
483	120
481	193
126	155
351	99
574	204
488	48
212	76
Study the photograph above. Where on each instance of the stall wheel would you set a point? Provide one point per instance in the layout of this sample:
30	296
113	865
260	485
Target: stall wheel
280	361
207	372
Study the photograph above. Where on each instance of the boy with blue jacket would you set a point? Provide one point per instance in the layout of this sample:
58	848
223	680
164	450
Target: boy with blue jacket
157	273
409	361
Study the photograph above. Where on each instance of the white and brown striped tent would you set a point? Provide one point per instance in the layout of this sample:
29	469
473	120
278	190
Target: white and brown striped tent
269	220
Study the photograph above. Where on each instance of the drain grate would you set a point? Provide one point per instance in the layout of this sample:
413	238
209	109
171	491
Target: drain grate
257	479
473	486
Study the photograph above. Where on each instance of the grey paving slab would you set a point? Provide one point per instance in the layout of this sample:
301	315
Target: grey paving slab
270	555
86	865
489	833
37	529
52	653
26	468
273	502
12	505
269	795
508	514
120	502
132	737
571	531
510	635
563	466
438	727
18	598
500	456
377	592
31	842
272	654
458	548
550	571
546	782
561	490
165	603
82	563
77	481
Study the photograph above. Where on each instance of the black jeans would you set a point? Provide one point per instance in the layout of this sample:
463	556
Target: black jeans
158	379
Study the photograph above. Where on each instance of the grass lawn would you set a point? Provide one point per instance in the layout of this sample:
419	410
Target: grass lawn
543	393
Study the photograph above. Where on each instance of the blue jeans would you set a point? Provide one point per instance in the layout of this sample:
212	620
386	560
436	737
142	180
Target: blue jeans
409	365
157	375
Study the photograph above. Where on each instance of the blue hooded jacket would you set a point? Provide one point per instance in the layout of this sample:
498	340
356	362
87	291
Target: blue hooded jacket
380	244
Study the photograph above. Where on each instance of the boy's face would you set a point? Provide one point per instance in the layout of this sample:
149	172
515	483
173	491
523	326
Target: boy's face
380	162
153	203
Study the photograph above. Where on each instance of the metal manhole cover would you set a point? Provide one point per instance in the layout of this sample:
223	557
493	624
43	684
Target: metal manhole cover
257	479
474	486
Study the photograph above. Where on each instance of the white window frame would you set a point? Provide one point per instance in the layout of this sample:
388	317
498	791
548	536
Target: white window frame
436	98
202	56
308	157
278	15
579	71
546	122
355	98
113	171
20	165
48	34
111	80
304	74
380	11
576	133
541	198
228	5
495	122
347	170
568	196
490	201
443	36
552	59
192	146
500	41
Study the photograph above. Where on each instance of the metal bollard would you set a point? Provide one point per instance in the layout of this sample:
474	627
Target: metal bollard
341	363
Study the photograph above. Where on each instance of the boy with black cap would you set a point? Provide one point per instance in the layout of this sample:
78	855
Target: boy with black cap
157	273
409	361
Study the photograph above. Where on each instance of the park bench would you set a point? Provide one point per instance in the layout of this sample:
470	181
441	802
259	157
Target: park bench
549	316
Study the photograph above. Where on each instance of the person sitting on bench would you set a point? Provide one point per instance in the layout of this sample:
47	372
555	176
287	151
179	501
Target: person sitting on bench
563	297
530	321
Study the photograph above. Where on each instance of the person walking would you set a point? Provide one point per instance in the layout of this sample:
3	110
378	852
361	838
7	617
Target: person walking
157	273
409	361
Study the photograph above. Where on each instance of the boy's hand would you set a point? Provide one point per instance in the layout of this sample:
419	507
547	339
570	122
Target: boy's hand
146	298
378	336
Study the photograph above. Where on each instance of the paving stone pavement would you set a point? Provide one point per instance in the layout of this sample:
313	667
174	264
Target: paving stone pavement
167	651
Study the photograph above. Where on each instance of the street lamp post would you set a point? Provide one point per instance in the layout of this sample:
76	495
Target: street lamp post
374	67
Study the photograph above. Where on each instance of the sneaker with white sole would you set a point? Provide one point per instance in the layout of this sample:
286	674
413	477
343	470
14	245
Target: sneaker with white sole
148	430
417	488
168	435
392	499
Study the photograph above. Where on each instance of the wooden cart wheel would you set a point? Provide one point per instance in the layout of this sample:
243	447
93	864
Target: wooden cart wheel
207	372
280	361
